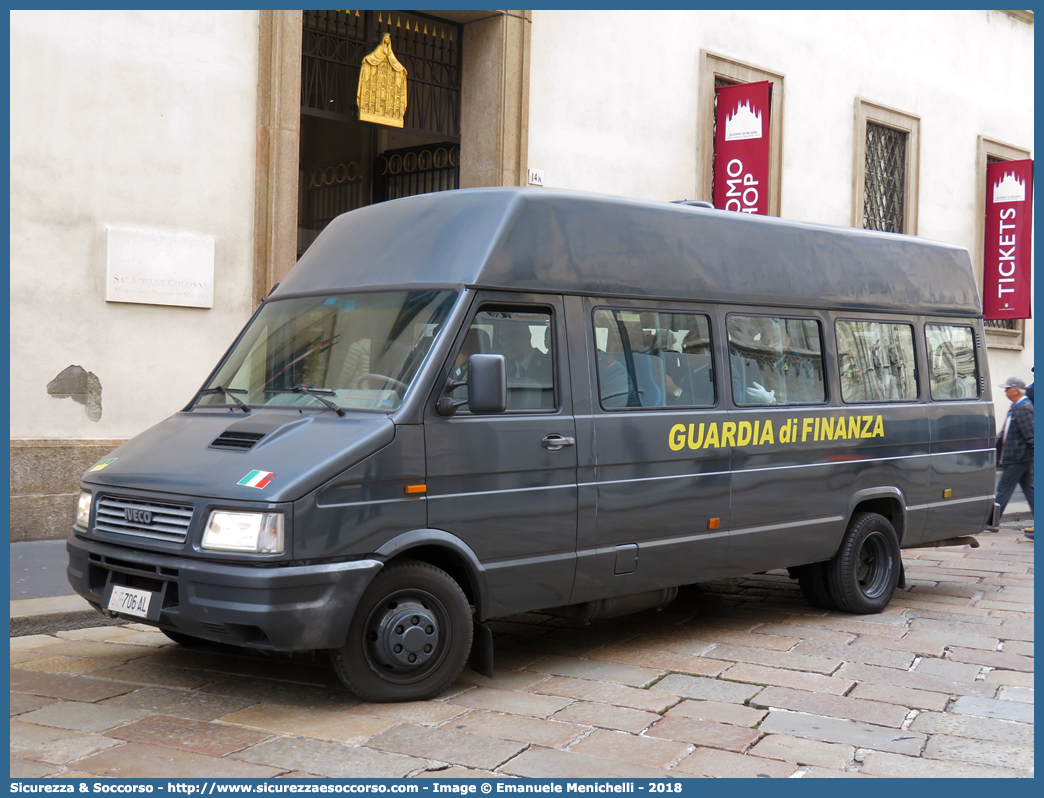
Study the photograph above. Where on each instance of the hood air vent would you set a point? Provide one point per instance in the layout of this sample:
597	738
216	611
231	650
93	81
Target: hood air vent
245	433
236	441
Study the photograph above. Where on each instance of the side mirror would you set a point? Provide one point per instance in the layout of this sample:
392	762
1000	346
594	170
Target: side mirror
487	387
487	384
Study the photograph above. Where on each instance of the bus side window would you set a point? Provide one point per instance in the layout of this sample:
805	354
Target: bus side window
876	361
653	359
775	360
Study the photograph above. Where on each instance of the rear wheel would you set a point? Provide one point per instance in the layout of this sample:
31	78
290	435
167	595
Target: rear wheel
813	583
409	638
862	576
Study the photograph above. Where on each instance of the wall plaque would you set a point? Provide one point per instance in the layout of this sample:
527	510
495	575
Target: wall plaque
382	87
154	268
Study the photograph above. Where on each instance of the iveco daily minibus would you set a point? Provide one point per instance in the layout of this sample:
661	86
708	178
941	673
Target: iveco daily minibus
473	403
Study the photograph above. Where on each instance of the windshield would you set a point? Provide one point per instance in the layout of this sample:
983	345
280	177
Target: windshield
358	351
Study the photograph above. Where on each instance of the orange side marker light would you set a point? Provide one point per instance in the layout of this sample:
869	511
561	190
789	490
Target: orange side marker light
411	489
714	523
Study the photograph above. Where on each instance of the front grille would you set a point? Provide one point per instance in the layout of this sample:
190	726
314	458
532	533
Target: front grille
236	441
152	520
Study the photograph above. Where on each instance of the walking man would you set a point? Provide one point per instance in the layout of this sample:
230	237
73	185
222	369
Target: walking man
1015	447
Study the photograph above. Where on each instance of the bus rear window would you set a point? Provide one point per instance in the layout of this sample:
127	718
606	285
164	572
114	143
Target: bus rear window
953	372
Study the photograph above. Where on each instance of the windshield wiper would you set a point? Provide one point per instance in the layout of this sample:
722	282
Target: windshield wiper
315	393
230	393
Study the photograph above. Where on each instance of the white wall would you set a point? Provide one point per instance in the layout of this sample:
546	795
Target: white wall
130	119
614	95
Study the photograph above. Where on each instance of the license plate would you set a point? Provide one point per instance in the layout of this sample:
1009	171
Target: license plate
129	601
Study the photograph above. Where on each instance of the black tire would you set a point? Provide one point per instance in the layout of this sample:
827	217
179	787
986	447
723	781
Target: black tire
813	583
862	576
409	638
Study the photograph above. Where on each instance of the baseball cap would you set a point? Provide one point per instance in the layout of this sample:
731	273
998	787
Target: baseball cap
1014	382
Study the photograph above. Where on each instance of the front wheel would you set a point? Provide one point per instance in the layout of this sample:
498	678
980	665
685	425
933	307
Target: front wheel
409	637
863	575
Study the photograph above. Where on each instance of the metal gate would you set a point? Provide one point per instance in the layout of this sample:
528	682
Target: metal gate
415	170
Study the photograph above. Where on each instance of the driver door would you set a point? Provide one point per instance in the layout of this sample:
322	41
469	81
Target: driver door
506	484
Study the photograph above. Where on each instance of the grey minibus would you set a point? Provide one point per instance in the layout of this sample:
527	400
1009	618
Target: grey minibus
474	403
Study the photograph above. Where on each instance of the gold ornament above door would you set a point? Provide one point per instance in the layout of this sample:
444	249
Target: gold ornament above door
382	87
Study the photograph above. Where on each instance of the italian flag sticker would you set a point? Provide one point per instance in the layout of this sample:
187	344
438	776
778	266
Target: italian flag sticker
256	479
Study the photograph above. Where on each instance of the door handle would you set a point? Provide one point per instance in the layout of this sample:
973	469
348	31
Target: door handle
554	442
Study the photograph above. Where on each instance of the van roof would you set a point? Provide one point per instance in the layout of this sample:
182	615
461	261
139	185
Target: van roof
540	240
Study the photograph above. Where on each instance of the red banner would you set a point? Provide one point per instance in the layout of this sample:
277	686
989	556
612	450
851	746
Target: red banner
741	147
1009	224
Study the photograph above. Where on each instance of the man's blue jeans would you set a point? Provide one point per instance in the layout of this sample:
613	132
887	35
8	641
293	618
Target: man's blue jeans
1014	474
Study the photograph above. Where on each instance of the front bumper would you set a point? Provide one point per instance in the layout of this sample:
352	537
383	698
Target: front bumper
281	608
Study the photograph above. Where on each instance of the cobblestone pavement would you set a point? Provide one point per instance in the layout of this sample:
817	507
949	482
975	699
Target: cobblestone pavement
736	678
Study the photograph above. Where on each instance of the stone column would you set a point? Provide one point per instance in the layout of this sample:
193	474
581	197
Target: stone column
495	101
278	141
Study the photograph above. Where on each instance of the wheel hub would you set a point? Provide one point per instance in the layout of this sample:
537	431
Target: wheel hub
405	635
873	566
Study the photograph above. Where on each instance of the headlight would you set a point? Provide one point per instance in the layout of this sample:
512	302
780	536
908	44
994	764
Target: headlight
83	510
261	533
